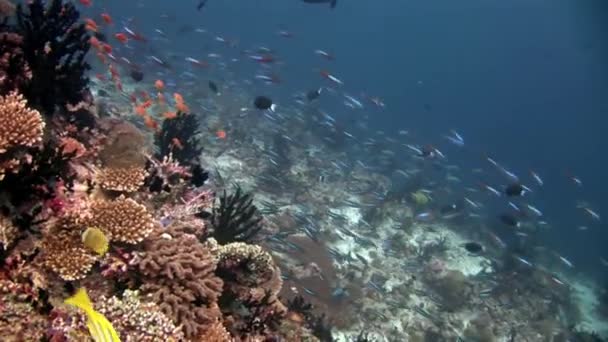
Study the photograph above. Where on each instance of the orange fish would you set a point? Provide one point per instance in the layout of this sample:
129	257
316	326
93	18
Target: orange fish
161	98
106	18
160	85
123	38
176	143
170	115
178	98
106	48
141	111
182	107
90	24
102	57
95	42
147	104
150	123
86	2
221	134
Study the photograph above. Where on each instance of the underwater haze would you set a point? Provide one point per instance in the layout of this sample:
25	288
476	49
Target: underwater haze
304	170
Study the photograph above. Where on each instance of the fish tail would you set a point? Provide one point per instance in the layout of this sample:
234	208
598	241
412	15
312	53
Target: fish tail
80	300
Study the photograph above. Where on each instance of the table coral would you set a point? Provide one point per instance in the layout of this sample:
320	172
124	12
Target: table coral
63	251
123	219
122	179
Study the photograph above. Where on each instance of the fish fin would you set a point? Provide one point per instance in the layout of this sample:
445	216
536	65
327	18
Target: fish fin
80	300
101	329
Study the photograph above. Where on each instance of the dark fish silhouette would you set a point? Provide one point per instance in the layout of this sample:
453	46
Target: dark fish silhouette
473	247
332	3
201	4
515	189
509	220
136	75
213	87
263	102
313	94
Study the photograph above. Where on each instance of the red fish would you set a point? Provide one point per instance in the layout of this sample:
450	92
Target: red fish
122	37
106	18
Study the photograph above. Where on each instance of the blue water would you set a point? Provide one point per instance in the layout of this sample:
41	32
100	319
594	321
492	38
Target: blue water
525	81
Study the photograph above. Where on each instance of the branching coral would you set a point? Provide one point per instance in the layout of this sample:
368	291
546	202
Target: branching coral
123	219
236	218
63	251
20	127
178	273
138	321
54	46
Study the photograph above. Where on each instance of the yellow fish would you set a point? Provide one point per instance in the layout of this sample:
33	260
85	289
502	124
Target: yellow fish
100	328
96	240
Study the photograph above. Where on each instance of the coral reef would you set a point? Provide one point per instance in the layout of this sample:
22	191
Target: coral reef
66	170
21	128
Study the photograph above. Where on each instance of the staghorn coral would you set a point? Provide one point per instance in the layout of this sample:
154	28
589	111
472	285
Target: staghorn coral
178	273
138	321
123	179
236	218
8	233
63	251
54	46
123	219
20	127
